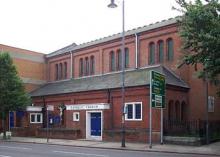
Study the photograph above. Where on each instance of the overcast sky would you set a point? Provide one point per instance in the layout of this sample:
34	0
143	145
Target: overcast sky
47	25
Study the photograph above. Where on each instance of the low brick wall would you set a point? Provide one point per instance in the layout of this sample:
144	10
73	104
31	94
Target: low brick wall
131	135
56	133
189	141
60	133
24	131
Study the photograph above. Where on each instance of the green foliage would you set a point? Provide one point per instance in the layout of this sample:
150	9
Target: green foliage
200	31
12	92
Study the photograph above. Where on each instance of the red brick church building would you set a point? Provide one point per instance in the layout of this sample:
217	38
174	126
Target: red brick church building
83	89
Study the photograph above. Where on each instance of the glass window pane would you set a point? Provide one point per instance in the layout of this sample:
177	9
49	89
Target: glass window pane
152	53
112	57
33	118
81	67
170	49
38	117
137	111
130	111
161	51
92	65
119	60
126	58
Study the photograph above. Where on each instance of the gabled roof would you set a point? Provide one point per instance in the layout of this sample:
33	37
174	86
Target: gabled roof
62	50
140	77
115	36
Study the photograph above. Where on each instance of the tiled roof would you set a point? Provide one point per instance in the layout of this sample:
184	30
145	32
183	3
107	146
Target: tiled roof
115	36
133	78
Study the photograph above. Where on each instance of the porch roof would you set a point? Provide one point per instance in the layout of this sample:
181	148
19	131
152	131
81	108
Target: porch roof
135	77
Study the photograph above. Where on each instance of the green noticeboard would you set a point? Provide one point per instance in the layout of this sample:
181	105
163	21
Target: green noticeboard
157	90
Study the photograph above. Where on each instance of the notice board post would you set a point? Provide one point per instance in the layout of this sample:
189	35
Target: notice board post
157	100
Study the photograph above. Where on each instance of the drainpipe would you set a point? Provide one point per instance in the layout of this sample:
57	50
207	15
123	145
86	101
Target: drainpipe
71	65
136	50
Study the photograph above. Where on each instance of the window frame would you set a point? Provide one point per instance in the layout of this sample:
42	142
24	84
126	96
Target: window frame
86	66
134	111
160	51
170	49
112	61
81	67
119	59
35	118
126	59
65	70
151	52
92	65
57	71
74	116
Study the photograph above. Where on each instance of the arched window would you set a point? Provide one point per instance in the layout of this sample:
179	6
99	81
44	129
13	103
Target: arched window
56	72
170	110
177	110
183	111
169	49
61	71
65	70
81	67
126	58
160	51
92	65
112	61
119	59
151	53
87	66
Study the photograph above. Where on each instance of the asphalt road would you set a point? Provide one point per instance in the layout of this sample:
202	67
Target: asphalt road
13	149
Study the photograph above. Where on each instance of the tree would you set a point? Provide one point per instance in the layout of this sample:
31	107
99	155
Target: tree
200	31
12	92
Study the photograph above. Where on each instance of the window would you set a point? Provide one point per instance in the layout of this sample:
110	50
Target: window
133	111
36	117
151	53
65	70
87	66
76	116
160	51
112	61
92	65
211	103
56	72
126	57
169	49
119	60
61	71
81	67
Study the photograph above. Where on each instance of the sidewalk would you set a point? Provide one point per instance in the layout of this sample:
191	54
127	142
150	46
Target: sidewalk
212	149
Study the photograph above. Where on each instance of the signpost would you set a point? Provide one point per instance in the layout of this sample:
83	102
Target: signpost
157	99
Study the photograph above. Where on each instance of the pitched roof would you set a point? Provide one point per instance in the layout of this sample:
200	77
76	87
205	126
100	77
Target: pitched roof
115	36
133	78
62	50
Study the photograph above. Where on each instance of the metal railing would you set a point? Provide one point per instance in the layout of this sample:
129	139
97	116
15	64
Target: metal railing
192	128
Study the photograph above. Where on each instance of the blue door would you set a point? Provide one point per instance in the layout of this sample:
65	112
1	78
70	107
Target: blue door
11	116
96	124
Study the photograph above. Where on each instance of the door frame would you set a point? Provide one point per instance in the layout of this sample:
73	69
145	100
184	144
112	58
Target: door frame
88	125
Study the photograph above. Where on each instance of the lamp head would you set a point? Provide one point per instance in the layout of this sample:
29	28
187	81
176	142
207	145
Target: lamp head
112	4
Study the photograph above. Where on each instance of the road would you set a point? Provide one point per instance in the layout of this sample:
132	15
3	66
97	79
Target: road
13	149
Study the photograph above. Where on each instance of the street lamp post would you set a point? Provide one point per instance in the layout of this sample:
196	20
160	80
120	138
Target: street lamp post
113	5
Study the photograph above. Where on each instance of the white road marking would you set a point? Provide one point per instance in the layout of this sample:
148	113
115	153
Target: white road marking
4	156
85	154
9	147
